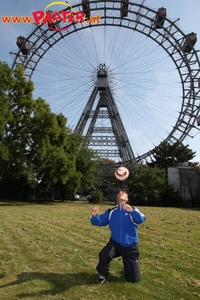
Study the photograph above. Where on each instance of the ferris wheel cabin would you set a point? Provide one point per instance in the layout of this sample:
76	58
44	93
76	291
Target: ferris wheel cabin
189	42
23	45
86	8
124	8
53	25
198	121
160	17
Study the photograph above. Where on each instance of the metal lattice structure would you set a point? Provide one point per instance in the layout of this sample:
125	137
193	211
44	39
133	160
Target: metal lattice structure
144	20
107	137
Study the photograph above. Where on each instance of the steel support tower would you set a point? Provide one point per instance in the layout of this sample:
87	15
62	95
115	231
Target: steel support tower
109	141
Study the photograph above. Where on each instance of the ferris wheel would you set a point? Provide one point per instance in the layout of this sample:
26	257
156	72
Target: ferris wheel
152	69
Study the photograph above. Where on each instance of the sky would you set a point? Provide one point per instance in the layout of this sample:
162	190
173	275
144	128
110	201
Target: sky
144	81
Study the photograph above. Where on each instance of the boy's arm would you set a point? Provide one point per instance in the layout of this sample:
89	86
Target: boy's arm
138	216
98	220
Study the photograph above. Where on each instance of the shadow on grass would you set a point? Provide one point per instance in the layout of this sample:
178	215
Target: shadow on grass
59	282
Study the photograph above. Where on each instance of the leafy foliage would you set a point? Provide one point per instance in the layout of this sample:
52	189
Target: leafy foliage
36	145
96	196
166	155
170	197
87	163
148	186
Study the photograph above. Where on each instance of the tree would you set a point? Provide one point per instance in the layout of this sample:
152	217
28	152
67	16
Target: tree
35	138
166	155
6	84
149	186
88	164
87	174
36	145
17	94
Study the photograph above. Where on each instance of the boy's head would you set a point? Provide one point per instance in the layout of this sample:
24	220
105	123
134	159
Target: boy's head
122	196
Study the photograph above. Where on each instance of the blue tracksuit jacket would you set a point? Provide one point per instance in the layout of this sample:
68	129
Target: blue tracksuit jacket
122	224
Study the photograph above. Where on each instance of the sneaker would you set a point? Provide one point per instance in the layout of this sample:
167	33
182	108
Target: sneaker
101	279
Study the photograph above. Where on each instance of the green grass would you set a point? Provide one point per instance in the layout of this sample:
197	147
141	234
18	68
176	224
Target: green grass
50	251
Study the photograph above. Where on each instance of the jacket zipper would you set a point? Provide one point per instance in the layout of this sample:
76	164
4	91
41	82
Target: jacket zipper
120	224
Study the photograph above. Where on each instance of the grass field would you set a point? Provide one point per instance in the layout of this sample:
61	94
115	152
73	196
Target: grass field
50	251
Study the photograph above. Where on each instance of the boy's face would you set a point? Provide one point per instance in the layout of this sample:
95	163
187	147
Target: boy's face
122	196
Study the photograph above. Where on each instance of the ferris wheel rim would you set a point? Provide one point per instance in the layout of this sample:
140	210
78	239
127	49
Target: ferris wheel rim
170	38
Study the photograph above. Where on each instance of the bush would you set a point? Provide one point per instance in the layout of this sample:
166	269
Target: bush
96	196
170	197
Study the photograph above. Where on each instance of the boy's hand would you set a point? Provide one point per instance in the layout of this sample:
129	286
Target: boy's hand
127	207
95	211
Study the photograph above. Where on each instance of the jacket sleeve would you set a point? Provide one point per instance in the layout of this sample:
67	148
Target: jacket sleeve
137	216
100	220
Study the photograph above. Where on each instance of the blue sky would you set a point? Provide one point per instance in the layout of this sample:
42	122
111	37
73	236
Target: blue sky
187	12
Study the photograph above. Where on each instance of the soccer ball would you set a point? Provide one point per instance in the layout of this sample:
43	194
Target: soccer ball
121	173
